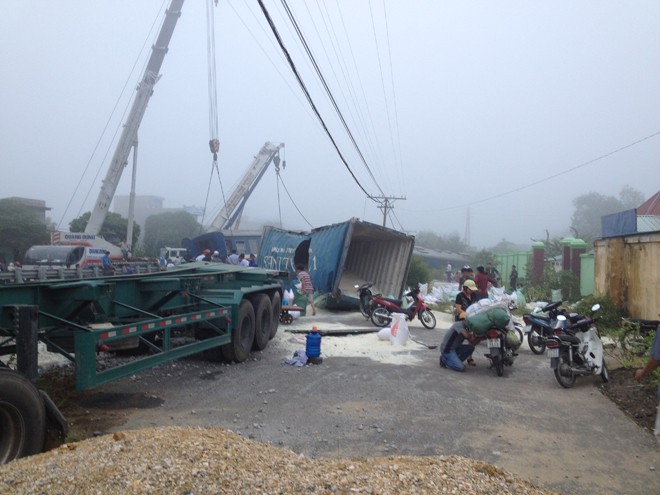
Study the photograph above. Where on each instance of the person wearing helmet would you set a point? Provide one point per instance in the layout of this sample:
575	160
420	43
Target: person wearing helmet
464	298
215	257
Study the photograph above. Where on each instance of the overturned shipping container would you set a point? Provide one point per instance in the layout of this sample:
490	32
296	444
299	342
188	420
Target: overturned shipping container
340	256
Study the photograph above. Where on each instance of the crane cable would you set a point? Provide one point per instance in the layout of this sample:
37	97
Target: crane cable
214	141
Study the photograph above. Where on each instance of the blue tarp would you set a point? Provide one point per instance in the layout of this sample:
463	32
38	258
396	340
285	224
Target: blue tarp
617	224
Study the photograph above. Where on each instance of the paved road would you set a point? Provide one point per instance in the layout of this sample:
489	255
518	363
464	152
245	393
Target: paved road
369	398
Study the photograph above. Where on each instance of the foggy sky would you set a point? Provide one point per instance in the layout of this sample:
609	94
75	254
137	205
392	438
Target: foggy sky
451	103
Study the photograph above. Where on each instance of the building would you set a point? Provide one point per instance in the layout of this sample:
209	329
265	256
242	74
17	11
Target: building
38	206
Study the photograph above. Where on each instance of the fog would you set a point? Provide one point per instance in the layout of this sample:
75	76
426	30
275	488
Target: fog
489	118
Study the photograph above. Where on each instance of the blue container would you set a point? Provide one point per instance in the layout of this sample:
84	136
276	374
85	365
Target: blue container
313	347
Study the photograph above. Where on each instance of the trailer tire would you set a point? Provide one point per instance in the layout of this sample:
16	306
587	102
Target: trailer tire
242	335
276	303
263	319
22	417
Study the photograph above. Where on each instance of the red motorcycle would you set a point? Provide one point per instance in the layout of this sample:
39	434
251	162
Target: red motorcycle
383	308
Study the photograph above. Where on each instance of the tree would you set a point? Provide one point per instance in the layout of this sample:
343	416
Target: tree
418	272
589	208
20	228
630	198
167	229
113	230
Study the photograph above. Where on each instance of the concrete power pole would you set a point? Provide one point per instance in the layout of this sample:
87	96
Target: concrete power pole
385	204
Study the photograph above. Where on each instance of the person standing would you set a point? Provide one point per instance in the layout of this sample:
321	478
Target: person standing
513	279
448	272
108	268
233	257
482	279
242	261
306	286
253	260
651	365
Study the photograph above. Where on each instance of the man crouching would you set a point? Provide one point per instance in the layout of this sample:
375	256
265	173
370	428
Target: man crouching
454	351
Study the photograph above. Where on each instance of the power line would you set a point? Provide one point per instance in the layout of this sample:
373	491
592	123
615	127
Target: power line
550	177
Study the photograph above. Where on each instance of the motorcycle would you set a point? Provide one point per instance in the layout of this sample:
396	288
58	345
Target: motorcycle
502	339
577	351
364	296
383	308
539	327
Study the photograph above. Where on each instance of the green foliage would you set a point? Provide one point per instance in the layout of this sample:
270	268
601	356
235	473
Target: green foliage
113	230
418	272
168	229
20	228
610	315
563	280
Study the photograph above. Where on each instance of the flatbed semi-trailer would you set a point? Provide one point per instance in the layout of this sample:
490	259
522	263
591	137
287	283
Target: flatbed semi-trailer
225	311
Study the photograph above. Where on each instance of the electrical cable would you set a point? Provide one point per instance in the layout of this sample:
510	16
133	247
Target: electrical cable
329	92
550	177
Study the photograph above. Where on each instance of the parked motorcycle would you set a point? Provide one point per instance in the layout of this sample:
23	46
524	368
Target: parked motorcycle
383	307
539	327
576	351
364	296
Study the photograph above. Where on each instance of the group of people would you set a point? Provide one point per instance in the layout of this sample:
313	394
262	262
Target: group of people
459	342
233	259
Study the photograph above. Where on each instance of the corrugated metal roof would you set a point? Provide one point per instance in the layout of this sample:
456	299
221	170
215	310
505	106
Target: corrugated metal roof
650	206
648	223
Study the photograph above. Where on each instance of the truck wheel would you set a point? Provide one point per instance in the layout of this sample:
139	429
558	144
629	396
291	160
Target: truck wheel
22	417
263	319
277	309
242	335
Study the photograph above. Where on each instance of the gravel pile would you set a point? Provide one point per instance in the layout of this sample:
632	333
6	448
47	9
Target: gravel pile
207	461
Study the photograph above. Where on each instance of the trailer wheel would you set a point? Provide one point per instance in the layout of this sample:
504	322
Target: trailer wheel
242	335
263	319
22	417
277	309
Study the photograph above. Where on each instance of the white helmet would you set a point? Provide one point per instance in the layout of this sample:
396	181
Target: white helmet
216	253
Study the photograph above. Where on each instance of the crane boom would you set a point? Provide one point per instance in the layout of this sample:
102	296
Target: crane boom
234	207
128	137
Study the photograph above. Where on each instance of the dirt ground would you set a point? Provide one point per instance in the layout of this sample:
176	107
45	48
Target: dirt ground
637	400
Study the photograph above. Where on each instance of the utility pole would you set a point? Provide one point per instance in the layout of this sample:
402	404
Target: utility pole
385	204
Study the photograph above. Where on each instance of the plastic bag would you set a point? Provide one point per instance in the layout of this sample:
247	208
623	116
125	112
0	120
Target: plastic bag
385	333
399	329
288	298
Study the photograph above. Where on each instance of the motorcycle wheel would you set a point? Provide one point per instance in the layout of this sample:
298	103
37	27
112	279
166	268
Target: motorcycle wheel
498	364
567	378
427	318
534	340
380	317
604	373
365	307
